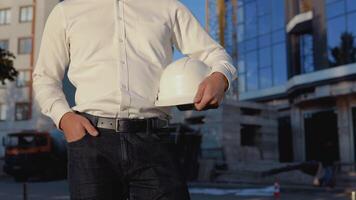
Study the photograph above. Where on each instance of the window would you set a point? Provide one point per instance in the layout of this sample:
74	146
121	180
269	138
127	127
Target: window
3	109
279	64
5	16
22	111
341	31
306	53
26	14
265	77
25	45
351	5
265	57
23	78
4	44
250	135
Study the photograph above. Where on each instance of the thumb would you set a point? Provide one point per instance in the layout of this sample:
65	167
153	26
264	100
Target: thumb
199	94
90	128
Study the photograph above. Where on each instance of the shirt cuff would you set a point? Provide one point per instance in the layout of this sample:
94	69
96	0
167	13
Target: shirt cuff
225	72
59	108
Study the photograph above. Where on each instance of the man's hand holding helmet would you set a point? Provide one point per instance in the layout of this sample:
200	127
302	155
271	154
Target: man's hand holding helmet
211	91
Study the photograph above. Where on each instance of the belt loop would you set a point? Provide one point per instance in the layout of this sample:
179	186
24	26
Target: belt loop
117	123
147	126
95	120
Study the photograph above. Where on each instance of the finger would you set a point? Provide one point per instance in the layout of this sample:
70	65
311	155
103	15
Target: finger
205	100
212	105
199	94
90	128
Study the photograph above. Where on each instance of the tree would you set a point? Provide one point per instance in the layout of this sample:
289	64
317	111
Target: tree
345	53
7	70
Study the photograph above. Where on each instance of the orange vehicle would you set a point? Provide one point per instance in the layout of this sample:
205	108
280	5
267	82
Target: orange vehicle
31	154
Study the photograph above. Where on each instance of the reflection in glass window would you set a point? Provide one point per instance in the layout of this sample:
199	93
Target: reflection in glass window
340	31
264	7
264	40
241	64
306	53
264	24
265	77
251	60
240	33
252	79
242	83
278	14
251	44
265	57
240	14
335	9
251	20
241	47
351	23
279	36
351	5
279	64
251	74
334	33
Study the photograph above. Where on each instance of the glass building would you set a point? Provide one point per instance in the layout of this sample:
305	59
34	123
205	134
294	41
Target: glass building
298	56
278	39
261	44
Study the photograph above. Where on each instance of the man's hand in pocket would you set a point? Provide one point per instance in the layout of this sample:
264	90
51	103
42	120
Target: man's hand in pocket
75	125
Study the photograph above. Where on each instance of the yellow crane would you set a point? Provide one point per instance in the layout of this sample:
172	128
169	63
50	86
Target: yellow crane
218	18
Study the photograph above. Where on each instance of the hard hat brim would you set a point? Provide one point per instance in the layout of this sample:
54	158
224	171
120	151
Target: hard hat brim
174	102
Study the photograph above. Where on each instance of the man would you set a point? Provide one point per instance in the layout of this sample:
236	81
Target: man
116	51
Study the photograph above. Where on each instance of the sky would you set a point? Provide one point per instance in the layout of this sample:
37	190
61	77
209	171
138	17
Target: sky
198	9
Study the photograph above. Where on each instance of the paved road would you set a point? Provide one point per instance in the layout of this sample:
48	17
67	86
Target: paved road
10	190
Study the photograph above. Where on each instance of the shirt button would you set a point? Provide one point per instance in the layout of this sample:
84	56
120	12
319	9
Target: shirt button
122	62
121	40
120	18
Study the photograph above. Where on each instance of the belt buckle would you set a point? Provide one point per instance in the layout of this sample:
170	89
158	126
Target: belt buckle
117	125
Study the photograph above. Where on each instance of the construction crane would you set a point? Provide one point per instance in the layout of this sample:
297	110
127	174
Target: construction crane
221	24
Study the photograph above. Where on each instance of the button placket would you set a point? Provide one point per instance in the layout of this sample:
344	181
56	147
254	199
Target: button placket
125	97
119	51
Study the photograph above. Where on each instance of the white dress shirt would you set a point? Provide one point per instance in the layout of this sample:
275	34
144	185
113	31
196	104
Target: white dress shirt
116	51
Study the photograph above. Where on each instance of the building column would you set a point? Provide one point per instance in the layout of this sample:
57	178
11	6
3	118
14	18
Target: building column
298	134
344	129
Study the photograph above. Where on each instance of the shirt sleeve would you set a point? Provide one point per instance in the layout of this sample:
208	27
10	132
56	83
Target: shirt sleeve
191	39
50	67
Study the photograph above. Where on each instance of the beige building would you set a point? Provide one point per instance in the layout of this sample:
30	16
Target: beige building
21	26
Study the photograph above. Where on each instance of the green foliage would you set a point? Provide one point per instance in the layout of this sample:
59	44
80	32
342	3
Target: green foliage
345	53
7	70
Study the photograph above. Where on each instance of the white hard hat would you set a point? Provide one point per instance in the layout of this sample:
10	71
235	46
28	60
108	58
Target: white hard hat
180	81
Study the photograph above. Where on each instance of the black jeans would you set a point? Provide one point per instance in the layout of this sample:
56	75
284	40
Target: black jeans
121	166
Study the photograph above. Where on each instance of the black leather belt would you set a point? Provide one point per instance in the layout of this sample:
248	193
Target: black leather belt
126	124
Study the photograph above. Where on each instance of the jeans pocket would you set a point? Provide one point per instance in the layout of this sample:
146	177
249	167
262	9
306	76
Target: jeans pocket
78	141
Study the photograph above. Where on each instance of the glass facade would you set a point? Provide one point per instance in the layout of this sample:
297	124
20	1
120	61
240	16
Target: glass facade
306	53
341	31
261	38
